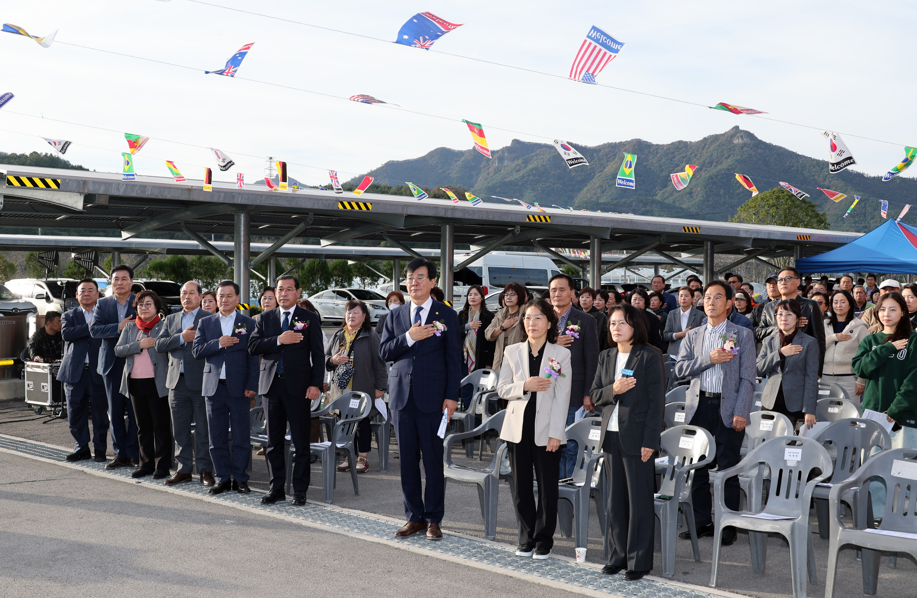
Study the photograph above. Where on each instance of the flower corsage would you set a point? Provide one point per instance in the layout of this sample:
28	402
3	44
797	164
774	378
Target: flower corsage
300	325
729	344
438	327
572	330
240	329
553	370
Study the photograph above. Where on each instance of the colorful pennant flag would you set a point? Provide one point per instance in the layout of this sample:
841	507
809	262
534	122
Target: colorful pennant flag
572	157
681	179
270	184
588	78
240	180
208	180
735	109
626	173
59	144
127	172
477	133
840	157
799	194
176	173
834	196
233	64
367	181
596	51
451	195
856	200
135	142
423	29
475	201
223	161
746	182
538	207
903	212
910	154
5	99
335	182
283	179
44	42
365	99
419	194
884	209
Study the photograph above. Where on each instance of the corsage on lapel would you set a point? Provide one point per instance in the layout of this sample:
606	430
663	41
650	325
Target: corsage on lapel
300	325
729	343
572	329
553	370
438	327
240	329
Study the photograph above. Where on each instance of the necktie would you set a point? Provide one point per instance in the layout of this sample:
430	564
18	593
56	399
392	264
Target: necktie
417	311
283	328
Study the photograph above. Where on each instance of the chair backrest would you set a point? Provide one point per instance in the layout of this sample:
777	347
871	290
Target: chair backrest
792	461
832	409
587	434
898	468
684	446
831	391
483	381
353	406
256	420
674	415
669	372
853	441
679	394
766	425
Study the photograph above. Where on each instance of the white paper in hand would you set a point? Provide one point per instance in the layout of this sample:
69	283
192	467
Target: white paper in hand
442	425
879	418
381	408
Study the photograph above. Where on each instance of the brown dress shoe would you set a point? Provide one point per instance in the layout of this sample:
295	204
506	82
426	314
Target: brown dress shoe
178	478
434	532
410	528
207	478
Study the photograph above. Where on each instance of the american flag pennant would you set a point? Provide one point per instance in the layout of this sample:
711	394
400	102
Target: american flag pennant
596	51
884	209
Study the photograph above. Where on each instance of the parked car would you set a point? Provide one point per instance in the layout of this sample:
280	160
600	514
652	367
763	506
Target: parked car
168	291
331	303
13	305
53	294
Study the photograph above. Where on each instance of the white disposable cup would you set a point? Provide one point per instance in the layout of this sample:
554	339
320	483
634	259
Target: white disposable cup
580	555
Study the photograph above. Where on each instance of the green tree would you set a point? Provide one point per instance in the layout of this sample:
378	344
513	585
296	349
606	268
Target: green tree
174	267
33	268
74	270
314	276
571	270
207	271
7	269
778	207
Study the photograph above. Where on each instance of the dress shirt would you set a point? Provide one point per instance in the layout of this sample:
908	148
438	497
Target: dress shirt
283	313
562	320
424	312
226	324
122	308
88	315
684	318
712	378
187	319
619	366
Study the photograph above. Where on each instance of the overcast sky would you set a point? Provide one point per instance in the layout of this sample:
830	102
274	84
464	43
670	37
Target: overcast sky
840	65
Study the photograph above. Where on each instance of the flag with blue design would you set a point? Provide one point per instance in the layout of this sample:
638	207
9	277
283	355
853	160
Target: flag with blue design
233	64
335	182
475	201
127	171
44	42
596	51
626	173
419	194
903	212
423	29
589	78
884	209
5	99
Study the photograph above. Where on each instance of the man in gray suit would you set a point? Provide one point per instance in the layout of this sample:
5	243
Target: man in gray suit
184	382
681	320
719	358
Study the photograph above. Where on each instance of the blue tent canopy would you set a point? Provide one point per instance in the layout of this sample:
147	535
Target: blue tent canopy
891	248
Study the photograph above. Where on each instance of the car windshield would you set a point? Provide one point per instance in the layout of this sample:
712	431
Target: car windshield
6	295
163	289
62	289
364	295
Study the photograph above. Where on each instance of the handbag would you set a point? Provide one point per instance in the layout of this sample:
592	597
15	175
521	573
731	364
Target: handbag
344	372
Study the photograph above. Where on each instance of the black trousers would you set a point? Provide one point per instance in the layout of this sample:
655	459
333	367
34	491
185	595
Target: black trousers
728	445
631	515
154	424
281	407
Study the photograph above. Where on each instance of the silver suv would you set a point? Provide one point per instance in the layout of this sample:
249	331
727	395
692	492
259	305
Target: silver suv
12	305
53	294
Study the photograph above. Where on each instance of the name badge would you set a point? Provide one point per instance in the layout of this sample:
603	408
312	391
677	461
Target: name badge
627	372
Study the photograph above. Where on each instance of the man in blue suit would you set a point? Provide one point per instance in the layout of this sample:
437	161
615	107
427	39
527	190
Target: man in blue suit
424	341
230	380
79	373
112	315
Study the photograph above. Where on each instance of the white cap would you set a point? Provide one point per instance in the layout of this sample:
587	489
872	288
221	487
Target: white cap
890	282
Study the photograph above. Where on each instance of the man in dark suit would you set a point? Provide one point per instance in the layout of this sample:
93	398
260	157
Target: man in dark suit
289	340
230	380
79	373
184	379
577	332
811	322
112	314
424	341
686	317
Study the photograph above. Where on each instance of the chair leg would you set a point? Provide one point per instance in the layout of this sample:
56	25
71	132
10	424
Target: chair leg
821	515
491	494
565	517
893	560
797	560
870	571
328	477
688	511
581	518
288	466
810	555
667	530
717	539
833	548
353	471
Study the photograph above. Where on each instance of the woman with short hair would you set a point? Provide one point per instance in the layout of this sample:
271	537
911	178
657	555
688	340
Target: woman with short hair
209	302
392	300
640	300
502	329
477	349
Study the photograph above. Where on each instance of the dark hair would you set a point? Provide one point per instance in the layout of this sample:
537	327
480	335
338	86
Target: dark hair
588	291
124	267
367	325
654	295
290	277
845	276
788	305
727	290
566	277
438	294
211	293
547	311
229	283
729	275
658	276
684	288
634	320
794	271
397	295
874	277
747	298
51	316
904	328
521	293
642	293
693	277
832	318
603	294
265	290
467	308
152	295
617	296
307	305
696	291
418	263
88	280
822	295
199	289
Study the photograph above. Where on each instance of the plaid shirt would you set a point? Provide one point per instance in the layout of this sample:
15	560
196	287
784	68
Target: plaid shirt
49	348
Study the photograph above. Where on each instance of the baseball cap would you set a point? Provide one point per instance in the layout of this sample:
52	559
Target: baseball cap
890	282
770	277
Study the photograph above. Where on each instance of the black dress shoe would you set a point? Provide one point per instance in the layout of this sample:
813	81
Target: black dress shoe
612	569
702	532
161	475
141	473
635	575
729	537
221	487
118	462
299	499
79	456
273	496
135	462
241	487
100	458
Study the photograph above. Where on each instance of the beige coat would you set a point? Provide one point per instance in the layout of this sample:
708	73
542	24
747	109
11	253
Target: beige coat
510	337
839	354
551	405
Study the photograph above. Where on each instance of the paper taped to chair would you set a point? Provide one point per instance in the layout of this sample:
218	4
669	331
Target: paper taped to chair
680	417
792	454
686	442
904	469
595	434
766	425
354	403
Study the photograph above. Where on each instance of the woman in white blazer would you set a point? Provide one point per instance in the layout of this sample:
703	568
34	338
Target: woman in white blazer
535	381
843	333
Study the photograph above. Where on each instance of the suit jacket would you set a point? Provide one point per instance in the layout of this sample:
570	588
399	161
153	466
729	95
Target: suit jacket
640	409
77	344
168	342
241	368
128	346
303	362
601	321
799	376
432	366
814	328
738	374
653	329
551	406
673	325
584	355
104	326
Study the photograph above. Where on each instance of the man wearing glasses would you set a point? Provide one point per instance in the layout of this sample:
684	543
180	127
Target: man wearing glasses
811	321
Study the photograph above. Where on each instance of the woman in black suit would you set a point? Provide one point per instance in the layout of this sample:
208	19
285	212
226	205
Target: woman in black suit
477	349
641	300
630	385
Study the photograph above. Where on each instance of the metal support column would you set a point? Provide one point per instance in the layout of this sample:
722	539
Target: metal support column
595	262
447	260
242	256
272	272
115	258
709	271
797	253
396	274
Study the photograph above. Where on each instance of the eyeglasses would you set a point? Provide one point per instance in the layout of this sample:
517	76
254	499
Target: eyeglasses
785	315
787	279
509	294
416	278
712	298
146	304
529	319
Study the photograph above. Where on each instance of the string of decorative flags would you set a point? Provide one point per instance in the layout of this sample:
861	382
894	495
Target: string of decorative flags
44	42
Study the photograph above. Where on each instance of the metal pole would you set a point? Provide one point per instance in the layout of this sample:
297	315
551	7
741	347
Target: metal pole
272	271
797	253
115	258
242	256
447	259
595	262
709	273
396	274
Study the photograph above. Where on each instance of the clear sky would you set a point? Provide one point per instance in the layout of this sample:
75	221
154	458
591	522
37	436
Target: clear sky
841	65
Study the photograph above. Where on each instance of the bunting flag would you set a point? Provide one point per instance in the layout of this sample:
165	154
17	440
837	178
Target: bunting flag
127	172
176	173
884	209
419	194
799	194
208	180
475	201
903	212
451	195
910	154
834	196
746	182
572	157
233	64
270	184
477	133
596	51
523	204
44	42
681	179
367	181
135	142
856	200
840	157
365	99
223	161
538	207
5	99
283	179
423	29
626	173
240	180
335	182
735	109
59	144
